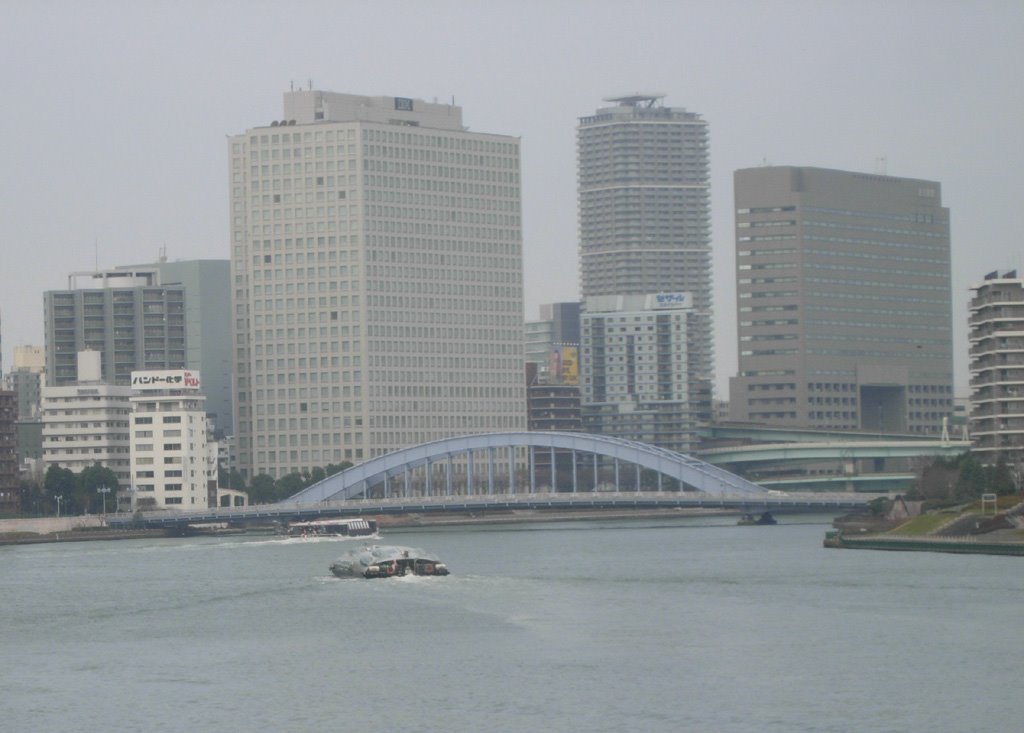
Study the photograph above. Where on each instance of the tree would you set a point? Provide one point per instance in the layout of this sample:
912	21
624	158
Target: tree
333	468
289	485
33	498
232	479
973	479
92	478
1001	480
236	480
59	482
261	490
936	481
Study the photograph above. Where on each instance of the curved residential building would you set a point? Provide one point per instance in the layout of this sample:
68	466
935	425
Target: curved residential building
997	367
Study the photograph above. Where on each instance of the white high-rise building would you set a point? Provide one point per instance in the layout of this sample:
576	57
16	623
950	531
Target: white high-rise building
174	455
376	281
634	358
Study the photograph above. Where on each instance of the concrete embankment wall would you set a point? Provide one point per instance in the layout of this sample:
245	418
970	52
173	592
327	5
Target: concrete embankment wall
47	525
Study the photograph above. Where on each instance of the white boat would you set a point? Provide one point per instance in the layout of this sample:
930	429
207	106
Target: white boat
333	528
385	561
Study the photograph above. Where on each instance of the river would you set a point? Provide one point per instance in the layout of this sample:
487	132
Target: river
689	624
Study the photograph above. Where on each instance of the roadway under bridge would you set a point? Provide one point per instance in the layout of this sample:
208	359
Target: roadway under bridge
516	471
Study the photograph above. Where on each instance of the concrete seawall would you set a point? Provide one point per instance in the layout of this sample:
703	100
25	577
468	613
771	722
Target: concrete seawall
48	525
957	545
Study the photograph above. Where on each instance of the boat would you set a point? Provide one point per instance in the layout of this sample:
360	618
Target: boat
386	561
333	528
764	519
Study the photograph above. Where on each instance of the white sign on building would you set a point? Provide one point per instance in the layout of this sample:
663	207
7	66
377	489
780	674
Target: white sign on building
186	379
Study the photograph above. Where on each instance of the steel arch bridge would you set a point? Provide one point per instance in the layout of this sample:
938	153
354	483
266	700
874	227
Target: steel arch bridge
419	465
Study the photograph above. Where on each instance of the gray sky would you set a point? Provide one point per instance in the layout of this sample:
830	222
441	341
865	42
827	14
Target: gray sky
115	114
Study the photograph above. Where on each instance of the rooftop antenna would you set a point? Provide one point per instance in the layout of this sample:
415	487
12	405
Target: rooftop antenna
881	165
311	84
292	84
163	254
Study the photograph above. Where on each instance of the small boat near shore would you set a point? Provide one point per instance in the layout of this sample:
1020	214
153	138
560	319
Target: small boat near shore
764	520
387	561
333	528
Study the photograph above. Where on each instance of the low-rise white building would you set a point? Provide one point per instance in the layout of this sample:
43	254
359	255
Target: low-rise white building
173	454
87	423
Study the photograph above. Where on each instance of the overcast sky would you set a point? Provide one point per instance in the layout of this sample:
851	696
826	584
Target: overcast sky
112	135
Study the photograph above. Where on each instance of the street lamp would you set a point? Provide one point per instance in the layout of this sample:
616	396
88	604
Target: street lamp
59	497
103	491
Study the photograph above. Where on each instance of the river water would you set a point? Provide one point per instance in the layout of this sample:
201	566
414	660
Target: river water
639	625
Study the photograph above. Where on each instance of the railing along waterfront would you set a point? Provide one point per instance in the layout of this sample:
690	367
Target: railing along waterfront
265	513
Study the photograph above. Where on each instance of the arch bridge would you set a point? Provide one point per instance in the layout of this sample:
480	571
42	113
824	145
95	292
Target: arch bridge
511	471
525	462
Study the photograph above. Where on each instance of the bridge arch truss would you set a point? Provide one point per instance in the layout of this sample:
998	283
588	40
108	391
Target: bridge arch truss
521	462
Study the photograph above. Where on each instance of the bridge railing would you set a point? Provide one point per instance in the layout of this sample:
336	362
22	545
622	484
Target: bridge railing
481	502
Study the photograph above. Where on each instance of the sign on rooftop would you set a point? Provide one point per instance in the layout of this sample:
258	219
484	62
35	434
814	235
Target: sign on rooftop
672	300
185	379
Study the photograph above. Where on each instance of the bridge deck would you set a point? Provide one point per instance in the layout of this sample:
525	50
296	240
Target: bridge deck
496	502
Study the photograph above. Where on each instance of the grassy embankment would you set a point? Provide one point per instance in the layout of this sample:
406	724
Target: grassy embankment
925	525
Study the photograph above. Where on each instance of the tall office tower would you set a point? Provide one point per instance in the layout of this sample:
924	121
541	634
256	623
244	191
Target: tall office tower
644	218
376	281
634	376
843	288
997	368
124	314
207	286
